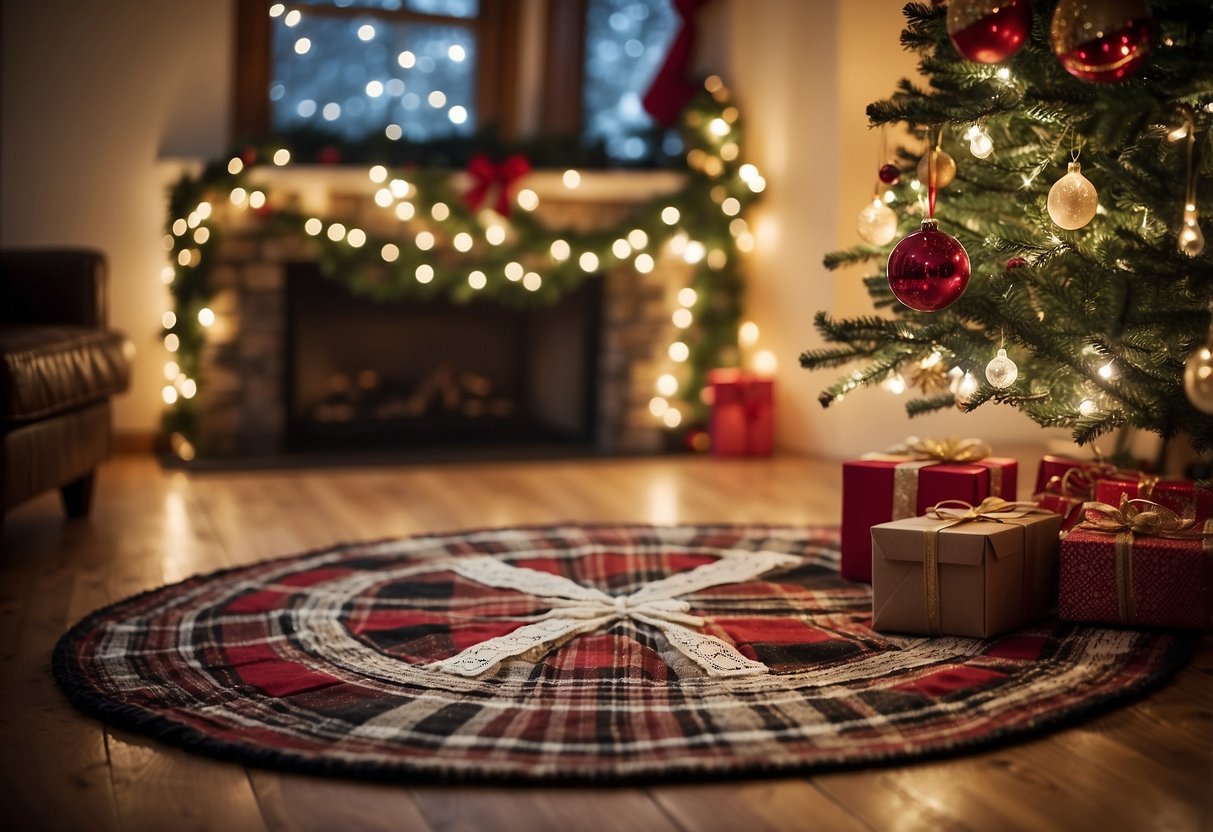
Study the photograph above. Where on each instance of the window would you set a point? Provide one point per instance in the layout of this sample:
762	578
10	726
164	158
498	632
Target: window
422	70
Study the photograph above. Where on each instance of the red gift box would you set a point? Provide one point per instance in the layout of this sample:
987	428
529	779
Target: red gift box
1121	577
1053	468
884	487
743	413
1181	496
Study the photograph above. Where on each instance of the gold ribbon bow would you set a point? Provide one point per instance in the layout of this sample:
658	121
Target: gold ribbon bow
1135	517
953	513
950	449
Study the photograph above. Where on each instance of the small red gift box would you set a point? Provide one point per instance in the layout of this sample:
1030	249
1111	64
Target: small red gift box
1053	468
1181	496
883	487
1137	565
743	413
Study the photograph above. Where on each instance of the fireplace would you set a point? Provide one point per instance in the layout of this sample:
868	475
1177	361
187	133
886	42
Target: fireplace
427	374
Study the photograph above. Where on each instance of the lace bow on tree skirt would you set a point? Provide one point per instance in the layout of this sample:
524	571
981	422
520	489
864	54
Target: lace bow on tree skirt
578	609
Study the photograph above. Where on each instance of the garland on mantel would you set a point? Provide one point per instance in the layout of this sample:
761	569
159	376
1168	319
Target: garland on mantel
484	243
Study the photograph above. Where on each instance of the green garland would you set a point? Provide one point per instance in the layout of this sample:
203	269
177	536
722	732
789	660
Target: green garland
711	206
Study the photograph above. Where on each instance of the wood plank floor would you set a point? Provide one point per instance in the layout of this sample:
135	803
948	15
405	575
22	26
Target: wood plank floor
1144	767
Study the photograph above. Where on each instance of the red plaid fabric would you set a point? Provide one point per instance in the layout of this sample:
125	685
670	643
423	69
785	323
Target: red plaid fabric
320	662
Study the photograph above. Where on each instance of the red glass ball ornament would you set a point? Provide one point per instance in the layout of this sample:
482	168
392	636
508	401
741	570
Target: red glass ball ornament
989	31
889	174
929	269
1102	42
1015	263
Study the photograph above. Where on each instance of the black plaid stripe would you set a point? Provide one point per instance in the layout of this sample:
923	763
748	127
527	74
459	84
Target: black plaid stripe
285	663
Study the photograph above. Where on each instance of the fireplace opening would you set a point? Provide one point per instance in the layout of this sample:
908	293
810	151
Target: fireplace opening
437	375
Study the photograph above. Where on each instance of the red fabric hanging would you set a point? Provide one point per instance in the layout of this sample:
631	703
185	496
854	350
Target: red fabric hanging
671	91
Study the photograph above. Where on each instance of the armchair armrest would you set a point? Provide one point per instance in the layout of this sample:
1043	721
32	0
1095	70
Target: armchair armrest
54	285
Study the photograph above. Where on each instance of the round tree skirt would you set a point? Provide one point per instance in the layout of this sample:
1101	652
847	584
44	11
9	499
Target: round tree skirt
576	652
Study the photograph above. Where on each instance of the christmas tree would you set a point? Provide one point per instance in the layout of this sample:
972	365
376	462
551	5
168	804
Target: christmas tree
1101	310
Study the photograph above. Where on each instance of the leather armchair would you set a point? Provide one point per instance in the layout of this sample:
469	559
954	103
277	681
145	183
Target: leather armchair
59	366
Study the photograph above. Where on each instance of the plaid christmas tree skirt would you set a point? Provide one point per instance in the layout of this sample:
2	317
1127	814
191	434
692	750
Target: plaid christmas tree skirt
601	653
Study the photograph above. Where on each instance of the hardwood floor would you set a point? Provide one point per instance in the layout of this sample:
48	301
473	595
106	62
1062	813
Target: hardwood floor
1147	766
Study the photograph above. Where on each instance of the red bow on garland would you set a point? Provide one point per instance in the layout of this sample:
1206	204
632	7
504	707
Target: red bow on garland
486	173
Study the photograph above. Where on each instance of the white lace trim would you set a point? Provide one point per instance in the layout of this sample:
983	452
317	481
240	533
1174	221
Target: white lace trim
578	609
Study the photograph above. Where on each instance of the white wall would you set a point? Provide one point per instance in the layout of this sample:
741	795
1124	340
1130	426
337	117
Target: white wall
803	74
95	92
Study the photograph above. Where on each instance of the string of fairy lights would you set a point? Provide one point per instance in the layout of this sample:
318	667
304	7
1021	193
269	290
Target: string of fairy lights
440	245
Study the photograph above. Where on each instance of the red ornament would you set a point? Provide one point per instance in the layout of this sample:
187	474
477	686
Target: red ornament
928	270
889	174
1102	42
328	155
989	31
486	174
248	155
1015	263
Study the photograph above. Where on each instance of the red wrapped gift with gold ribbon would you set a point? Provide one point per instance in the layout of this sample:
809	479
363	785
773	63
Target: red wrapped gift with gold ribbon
743	413
1181	496
1137	565
964	570
905	481
1066	494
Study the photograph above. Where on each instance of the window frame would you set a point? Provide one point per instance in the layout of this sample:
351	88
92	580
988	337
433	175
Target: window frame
499	29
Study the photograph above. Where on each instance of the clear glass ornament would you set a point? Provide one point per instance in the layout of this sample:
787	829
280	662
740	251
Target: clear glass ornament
876	223
980	145
1073	199
1198	377
1001	371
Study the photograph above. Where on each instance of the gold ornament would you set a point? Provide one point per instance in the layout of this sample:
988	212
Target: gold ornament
1072	199
945	169
930	380
1198	377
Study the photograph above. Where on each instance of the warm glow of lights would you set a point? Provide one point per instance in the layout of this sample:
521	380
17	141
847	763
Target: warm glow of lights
745	242
695	251
168	320
588	261
462	241
169	393
393	132
193	220
167	274
1107	370
717	259
440	211
180	227
718	127
731	206
1003	74
171	370
528	200
171	342
738	227
282	156
313	226
356	237
513	270
747	334
931	360
406	59
532	281
384	198
390	253
672	418
637	239
687	297
336	231
399	188
658	406
560	250
747	172
377	173
302	46
729	151
682	317
757	184
437	98
678	244
621	249
239	196
424	273
713	83
457	114
667	385
456	52
1086	407
571	178
765	363
277	9
293	17
895	384
235	165
204	209
366	32
424	240
206	316
374	88
966	387
202	234
405	210
495	234
183	257
679	352
256	199
189	388
644	263
669	215
477	280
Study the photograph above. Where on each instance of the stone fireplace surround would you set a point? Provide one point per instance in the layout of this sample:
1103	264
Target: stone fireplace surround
242	392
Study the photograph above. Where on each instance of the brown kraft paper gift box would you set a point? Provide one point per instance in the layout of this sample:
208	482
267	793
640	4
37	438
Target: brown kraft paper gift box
992	576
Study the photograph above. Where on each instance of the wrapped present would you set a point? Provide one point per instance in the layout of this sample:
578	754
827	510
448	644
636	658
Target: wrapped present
1137	565
1053	468
1066	494
964	571
743	413
905	481
1181	496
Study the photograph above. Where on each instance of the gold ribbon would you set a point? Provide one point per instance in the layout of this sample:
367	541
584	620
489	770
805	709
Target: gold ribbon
950	449
1137	517
922	453
953	513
